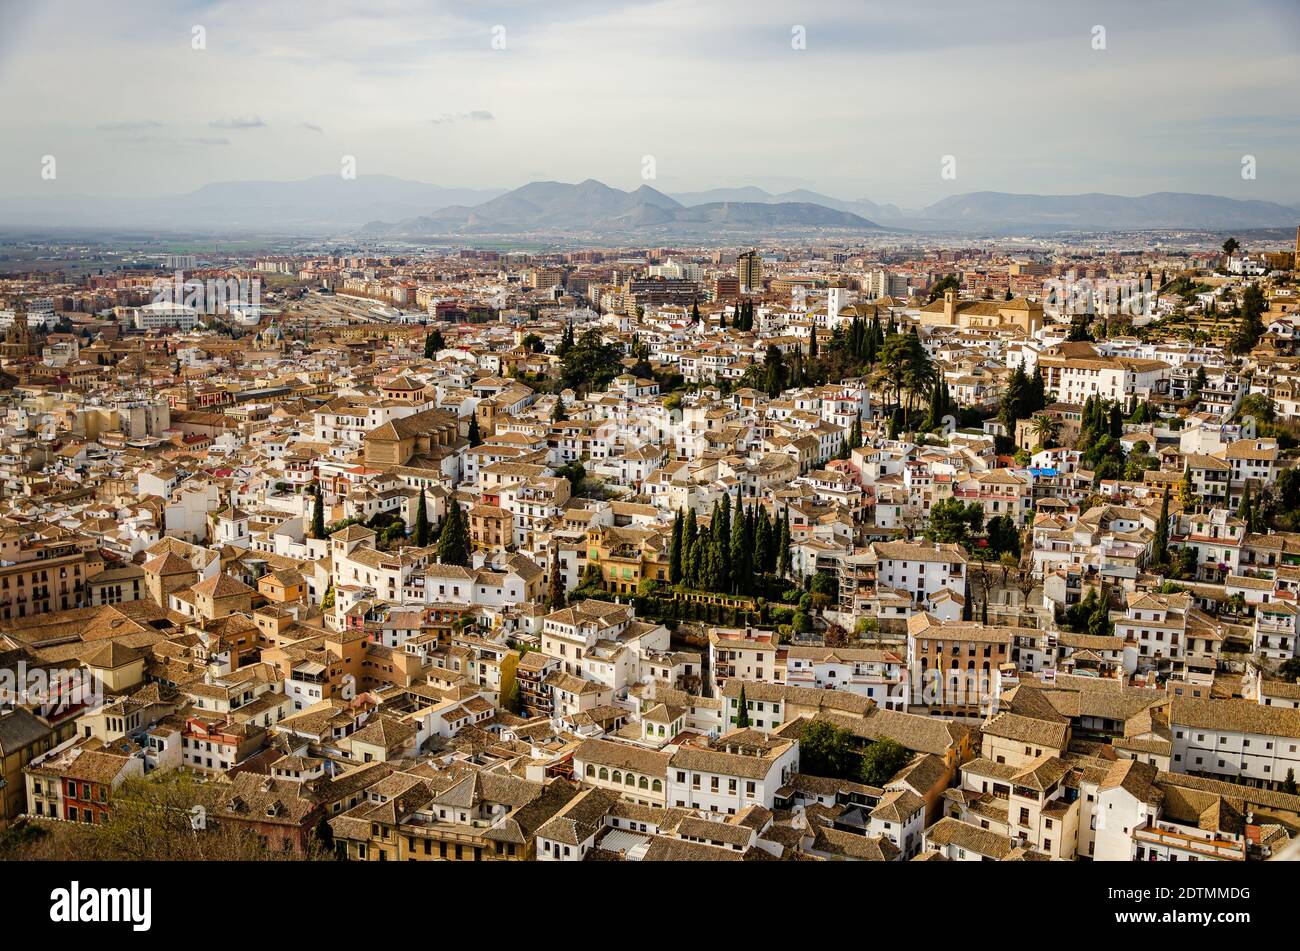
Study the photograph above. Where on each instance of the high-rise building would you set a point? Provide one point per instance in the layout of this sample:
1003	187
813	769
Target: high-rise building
749	268
725	286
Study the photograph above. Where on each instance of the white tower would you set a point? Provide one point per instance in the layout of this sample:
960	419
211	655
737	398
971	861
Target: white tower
834	301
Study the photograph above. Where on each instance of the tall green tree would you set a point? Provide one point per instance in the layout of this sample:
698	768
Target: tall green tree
555	585
742	710
881	760
827	750
1246	510
453	541
1014	400
783	560
675	550
690	553
317	514
774	371
1160	545
422	530
720	530
764	544
1251	325
739	551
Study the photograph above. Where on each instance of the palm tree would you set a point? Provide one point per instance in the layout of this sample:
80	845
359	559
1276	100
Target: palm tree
1045	429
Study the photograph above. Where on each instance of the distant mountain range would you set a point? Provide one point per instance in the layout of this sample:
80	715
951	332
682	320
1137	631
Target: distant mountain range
381	206
863	207
1042	214
592	207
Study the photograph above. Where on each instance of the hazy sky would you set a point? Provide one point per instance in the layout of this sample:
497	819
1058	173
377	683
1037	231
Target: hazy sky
1013	89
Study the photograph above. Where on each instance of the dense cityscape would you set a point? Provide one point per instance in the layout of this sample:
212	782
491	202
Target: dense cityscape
808	551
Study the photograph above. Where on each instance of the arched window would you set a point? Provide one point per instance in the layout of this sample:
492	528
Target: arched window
591	770
618	776
643	783
630	780
604	773
657	786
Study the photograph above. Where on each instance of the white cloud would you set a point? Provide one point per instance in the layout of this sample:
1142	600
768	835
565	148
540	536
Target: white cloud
239	122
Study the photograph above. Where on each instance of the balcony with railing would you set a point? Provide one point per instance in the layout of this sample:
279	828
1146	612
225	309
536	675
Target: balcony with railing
1200	846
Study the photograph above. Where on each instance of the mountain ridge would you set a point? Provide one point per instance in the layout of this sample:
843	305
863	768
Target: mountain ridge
592	206
378	204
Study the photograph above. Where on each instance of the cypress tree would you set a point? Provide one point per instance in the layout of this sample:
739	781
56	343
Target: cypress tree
751	528
1013	402
421	522
475	438
317	515
1160	546
675	550
936	405
721	531
739	562
1245	510
453	541
742	714
763	548
783	562
555	589
690	553
710	575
